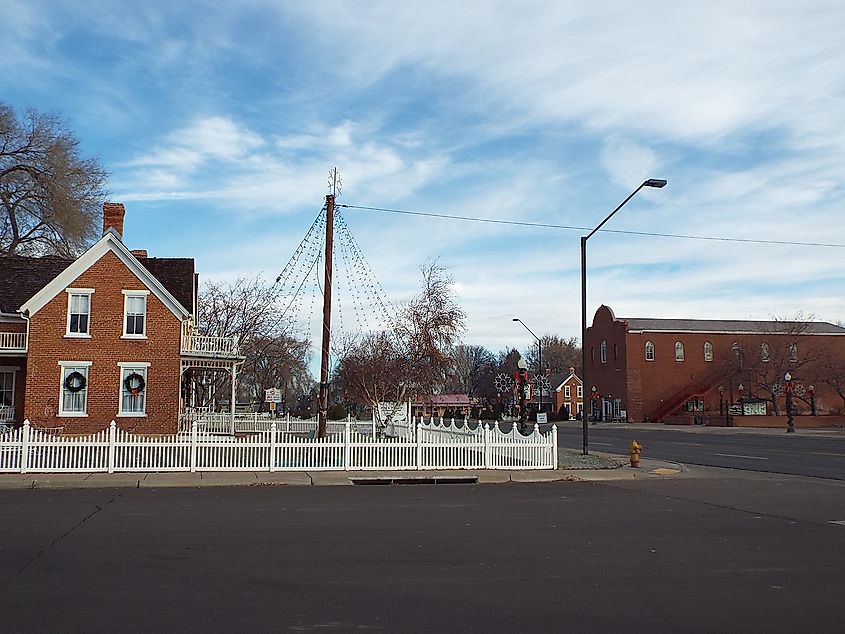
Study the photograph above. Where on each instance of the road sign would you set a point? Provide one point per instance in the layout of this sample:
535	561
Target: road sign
273	395
542	418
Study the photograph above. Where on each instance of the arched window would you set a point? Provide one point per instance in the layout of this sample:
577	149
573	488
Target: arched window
764	352
603	351
592	354
616	352
649	351
679	351
708	351
793	353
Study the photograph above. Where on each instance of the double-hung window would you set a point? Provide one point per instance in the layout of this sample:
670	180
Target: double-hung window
133	389
7	387
135	314
567	392
74	388
79	312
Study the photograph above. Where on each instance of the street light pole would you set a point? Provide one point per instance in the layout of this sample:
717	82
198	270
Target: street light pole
539	360
651	182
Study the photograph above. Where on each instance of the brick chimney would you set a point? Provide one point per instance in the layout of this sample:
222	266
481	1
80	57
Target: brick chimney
113	214
139	253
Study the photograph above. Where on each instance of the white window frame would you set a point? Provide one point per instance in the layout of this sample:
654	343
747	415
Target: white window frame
649	351
66	368
11	370
580	409
793	353
579	392
708	351
127	295
567	392
679	351
603	350
127	368
70	294
765	354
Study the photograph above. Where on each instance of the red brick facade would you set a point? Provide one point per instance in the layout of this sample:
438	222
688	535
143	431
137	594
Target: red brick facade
104	349
649	389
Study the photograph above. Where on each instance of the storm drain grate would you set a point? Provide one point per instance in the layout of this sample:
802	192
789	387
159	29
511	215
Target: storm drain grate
416	480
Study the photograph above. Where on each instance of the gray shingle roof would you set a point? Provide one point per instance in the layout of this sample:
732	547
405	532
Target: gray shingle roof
644	324
22	277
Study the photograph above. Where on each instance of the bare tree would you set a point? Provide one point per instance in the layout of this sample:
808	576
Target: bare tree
50	196
831	372
250	310
763	359
559	355
472	369
415	355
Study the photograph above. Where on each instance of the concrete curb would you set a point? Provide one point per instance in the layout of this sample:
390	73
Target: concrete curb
322	478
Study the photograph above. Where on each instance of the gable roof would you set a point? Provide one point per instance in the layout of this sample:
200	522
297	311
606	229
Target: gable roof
52	278
560	380
735	326
22	277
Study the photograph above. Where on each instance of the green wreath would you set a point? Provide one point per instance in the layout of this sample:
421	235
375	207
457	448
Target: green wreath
134	383
75	382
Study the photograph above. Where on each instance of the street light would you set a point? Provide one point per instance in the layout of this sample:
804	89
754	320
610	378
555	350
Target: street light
790	386
539	360
651	182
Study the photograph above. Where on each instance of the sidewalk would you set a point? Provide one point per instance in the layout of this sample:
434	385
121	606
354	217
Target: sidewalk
647	469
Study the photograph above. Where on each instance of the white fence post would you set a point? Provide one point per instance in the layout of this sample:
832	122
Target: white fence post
554	446
346	439
419	450
25	446
487	433
272	446
112	433
194	447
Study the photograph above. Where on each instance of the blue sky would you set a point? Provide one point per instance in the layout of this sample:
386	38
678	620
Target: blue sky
219	122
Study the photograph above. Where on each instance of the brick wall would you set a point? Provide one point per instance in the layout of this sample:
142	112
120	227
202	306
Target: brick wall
105	349
644	386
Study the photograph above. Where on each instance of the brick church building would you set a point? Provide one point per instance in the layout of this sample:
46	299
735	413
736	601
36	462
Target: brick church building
696	370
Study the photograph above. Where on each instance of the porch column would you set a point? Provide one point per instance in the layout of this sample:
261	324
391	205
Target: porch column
232	402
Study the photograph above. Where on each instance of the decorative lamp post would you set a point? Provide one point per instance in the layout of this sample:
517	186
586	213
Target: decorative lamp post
540	361
651	182
812	400
741	400
721	400
790	387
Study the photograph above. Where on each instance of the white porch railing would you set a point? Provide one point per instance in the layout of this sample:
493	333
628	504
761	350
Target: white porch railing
13	341
203	346
112	450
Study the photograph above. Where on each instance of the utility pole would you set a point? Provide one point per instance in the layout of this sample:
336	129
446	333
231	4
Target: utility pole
334	183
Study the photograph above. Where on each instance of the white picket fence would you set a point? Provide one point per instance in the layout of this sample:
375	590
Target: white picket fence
423	446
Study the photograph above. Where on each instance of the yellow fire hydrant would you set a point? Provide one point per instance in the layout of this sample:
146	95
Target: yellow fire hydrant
636	448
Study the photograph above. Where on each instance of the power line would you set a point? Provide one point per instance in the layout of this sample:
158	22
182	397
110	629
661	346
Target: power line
575	228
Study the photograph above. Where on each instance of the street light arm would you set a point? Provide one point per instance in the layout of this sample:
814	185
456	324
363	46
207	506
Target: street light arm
527	328
611	214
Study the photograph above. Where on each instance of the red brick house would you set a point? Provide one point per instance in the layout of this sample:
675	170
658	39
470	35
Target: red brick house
105	337
695	369
568	393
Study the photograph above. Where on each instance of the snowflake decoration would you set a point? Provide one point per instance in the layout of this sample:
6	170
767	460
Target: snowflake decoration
503	383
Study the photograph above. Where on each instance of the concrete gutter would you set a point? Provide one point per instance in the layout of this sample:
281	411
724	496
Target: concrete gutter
648	469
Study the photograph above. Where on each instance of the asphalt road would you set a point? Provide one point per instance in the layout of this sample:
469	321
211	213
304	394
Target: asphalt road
821	456
751	554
